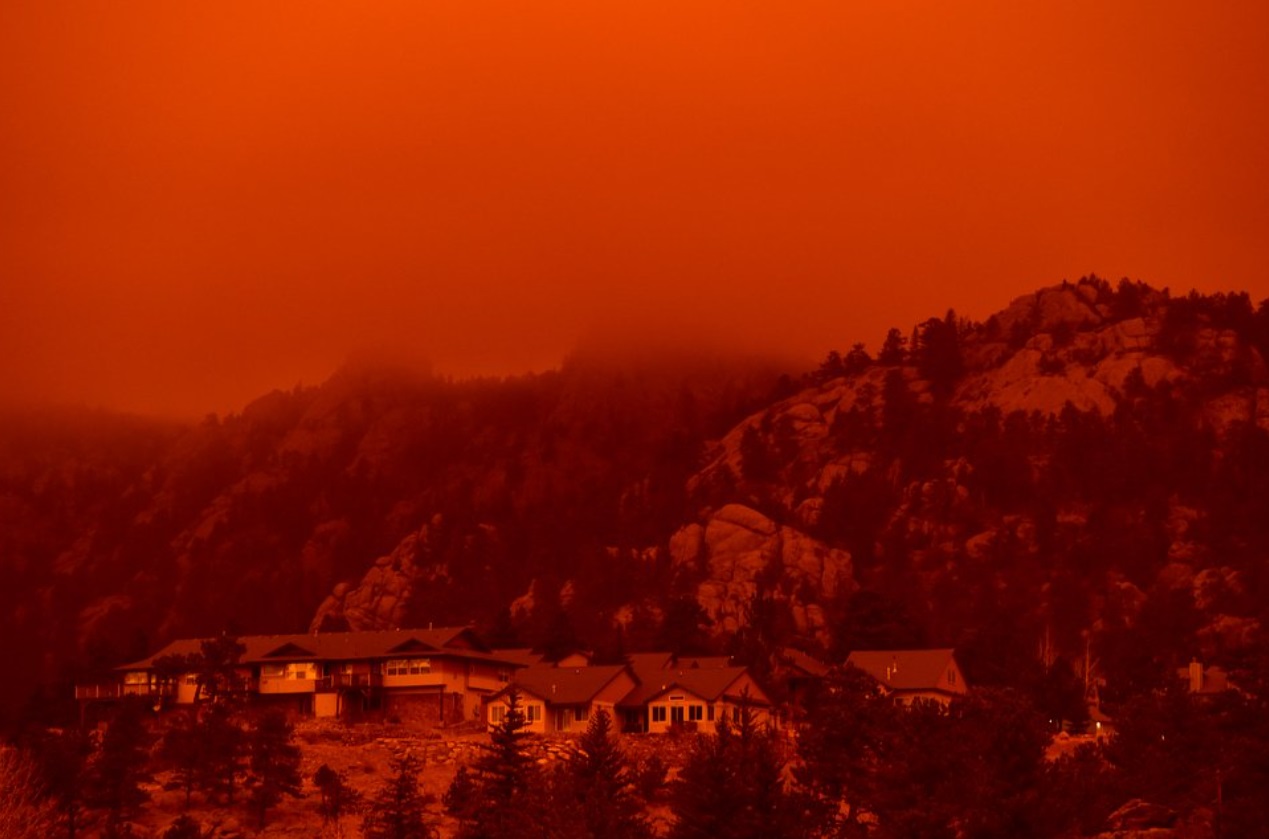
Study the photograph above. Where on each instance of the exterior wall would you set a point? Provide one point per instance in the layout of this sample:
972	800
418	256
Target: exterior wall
679	707
289	677
537	714
187	689
489	677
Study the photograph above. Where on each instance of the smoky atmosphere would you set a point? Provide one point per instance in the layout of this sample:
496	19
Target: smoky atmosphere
694	420
202	203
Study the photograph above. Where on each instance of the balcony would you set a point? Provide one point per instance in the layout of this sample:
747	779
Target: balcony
115	690
350	681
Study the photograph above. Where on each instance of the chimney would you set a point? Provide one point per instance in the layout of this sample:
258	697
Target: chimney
1196	676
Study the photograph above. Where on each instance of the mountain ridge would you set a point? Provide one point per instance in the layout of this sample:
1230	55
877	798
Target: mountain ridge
1084	463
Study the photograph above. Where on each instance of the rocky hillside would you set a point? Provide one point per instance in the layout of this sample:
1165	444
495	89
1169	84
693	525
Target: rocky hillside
1083	477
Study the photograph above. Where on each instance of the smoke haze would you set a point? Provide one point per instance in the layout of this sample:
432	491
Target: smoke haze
200	202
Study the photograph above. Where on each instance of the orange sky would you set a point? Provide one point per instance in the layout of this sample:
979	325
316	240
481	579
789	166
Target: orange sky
202	201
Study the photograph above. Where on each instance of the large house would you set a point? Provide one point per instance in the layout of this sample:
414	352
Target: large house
909	675
440	673
652	692
554	698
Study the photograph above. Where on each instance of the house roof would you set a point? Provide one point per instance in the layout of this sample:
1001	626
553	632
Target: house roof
709	683
520	655
801	661
566	685
703	661
904	669
345	646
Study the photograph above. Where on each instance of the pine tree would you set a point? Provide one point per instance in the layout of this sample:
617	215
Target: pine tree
337	797
63	763
120	766
274	763
397	811
184	827
602	783
505	781
224	745
460	799
732	788
183	747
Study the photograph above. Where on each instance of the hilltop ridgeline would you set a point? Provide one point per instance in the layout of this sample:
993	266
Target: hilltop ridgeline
1082	476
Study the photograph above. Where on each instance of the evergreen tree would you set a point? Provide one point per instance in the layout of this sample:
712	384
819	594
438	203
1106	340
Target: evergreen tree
184	827
602	782
732	788
183	747
217	666
117	771
460	799
62	758
893	349
224	747
337	798
274	763
397	810
505	781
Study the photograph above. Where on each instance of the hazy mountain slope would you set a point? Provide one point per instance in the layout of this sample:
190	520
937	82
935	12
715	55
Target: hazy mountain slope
1088	471
119	534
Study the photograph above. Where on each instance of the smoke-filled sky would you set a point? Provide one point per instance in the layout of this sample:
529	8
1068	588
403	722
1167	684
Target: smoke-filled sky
202	201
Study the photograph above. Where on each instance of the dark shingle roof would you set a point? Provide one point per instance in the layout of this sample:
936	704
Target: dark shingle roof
345	646
904	669
710	684
806	663
567	685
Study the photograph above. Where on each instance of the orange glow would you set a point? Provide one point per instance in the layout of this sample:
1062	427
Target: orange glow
199	202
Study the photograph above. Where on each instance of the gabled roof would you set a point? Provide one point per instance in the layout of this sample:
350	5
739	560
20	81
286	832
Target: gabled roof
566	685
710	684
703	661
457	641
523	656
808	664
904	669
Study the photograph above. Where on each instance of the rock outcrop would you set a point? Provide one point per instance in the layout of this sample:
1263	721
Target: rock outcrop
742	552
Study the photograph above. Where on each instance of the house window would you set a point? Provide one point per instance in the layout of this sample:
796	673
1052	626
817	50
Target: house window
532	713
497	713
695	713
658	713
676	714
709	712
273	671
678	697
504	676
136	678
409	666
579	714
